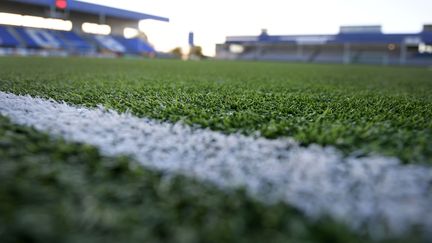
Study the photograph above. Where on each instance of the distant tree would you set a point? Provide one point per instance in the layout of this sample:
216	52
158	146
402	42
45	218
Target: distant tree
196	53
177	52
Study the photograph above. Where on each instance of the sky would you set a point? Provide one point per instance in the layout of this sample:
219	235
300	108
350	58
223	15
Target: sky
212	21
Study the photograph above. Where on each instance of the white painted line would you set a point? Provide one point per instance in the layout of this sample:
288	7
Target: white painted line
373	193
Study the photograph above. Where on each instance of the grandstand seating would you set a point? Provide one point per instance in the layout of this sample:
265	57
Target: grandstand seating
108	43
135	45
75	43
6	38
69	41
372	47
39	38
122	45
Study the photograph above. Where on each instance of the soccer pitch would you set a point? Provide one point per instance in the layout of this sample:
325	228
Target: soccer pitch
266	119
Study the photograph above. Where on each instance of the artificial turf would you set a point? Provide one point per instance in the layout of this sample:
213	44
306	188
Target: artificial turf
55	191
358	109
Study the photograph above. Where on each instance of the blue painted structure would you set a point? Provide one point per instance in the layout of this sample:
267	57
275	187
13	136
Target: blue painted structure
91	8
191	39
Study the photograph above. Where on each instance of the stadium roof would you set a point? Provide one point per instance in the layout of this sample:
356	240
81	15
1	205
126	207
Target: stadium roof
91	8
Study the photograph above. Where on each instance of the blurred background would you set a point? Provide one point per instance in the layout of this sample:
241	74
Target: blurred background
333	31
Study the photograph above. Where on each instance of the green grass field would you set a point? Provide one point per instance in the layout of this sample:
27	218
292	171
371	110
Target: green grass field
53	190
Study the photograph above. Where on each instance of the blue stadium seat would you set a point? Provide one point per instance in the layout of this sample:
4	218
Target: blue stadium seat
122	45
108	42
68	40
135	45
39	38
74	42
7	39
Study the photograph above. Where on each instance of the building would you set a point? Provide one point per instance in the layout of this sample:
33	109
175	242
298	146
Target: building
353	44
71	27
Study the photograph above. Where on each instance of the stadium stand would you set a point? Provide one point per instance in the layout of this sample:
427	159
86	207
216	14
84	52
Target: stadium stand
6	38
119	44
353	44
39	38
75	43
71	42
135	45
71	38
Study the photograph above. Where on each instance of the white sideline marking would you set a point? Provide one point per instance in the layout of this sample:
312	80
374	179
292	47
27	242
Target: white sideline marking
373	193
